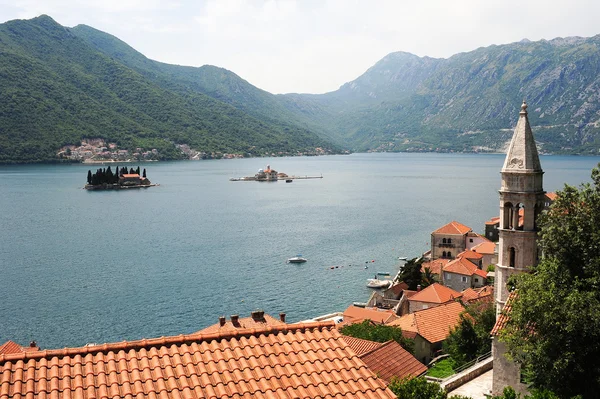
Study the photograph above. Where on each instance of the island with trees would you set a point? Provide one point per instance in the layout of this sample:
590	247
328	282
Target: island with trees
106	179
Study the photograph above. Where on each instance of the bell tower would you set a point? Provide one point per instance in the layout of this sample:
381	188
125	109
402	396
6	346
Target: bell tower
521	201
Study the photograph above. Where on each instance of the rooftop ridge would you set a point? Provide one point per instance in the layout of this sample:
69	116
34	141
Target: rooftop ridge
163	341
384	344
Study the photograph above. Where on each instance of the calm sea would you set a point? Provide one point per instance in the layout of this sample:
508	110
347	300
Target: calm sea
79	267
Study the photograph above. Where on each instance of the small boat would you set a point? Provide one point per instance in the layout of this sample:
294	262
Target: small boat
402	258
288	180
377	283
296	259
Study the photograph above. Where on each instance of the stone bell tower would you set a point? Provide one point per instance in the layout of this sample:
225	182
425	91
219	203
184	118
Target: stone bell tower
521	201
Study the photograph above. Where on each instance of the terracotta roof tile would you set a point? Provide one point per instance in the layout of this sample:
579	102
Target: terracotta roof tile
551	196
354	314
260	321
504	314
486	248
361	346
464	267
493	221
435	265
304	360
477	294
467	254
436	293
453	228
392	360
433	324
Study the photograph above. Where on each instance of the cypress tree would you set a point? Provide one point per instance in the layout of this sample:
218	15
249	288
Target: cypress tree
89	176
144	172
137	170
131	171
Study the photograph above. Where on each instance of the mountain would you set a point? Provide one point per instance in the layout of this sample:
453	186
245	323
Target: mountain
471	100
56	89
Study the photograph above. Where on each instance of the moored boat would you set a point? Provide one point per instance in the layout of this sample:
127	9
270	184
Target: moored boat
377	283
297	259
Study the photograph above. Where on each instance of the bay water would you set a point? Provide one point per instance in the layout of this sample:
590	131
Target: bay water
80	266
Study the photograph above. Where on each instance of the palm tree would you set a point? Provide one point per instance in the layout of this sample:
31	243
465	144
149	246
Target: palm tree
427	277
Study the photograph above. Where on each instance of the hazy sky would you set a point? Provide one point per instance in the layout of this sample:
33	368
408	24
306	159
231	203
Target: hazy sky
312	46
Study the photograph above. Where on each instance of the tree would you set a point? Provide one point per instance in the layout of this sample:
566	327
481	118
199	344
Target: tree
144	173
417	388
378	333
137	170
471	337
554	326
427	277
411	273
89	177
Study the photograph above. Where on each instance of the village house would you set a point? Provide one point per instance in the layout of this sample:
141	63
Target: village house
462	273
477	295
303	360
449	240
431	326
387	360
356	314
488	252
432	296
435	266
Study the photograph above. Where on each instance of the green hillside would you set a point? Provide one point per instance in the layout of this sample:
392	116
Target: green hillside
56	89
470	101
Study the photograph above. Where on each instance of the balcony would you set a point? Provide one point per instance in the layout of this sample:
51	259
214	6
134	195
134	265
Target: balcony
441	245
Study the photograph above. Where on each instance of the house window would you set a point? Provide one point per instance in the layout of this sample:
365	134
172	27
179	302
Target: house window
448	275
464	279
470	240
476	280
449	240
443	241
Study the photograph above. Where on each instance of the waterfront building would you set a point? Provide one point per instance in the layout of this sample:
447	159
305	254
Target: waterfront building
431	296
522	199
449	240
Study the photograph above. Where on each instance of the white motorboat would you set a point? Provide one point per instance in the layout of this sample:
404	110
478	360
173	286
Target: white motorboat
402	258
296	259
377	283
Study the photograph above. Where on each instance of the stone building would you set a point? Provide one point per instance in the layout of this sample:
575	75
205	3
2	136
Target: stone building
522	198
449	240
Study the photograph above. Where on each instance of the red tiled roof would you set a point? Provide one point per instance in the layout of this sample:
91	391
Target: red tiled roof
361	346
435	265
397	288
486	248
355	314
433	324
453	228
494	220
245	322
435	293
467	254
477	294
551	196
130	175
12	347
504	314
392	360
304	360
464	267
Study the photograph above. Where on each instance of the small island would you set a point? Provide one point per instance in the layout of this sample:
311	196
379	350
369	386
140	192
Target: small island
105	179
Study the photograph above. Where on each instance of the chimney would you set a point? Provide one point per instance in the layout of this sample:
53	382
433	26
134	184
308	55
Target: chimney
258	315
418	287
221	321
33	344
282	317
235	320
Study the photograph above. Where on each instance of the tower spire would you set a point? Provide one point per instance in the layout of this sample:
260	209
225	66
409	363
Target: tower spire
522	154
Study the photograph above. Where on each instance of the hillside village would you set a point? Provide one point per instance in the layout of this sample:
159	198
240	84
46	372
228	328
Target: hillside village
264	356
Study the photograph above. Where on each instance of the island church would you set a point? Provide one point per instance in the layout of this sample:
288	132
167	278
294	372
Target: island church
522	199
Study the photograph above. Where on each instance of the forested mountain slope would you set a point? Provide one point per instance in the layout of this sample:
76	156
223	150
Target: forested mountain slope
56	89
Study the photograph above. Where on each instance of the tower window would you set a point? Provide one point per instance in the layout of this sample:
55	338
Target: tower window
511	257
443	240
